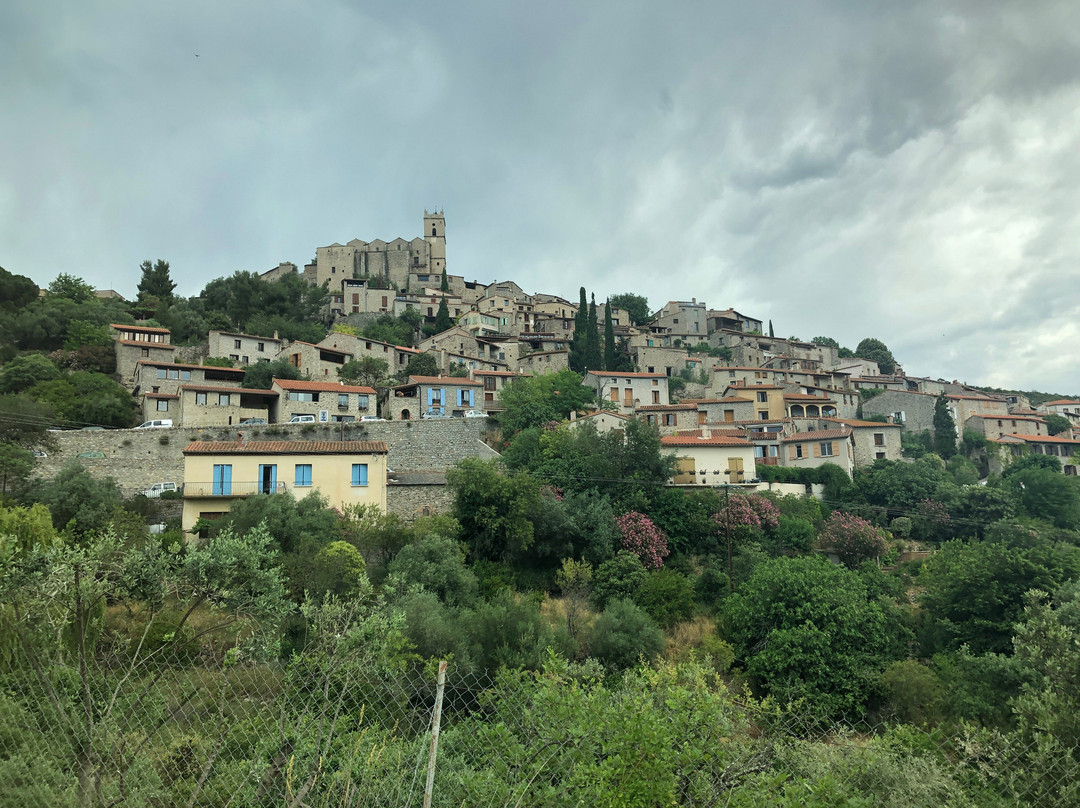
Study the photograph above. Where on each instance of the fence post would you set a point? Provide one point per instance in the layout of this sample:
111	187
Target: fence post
436	720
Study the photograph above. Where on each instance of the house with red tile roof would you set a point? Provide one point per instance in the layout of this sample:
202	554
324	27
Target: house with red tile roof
210	405
998	425
818	447
705	457
1065	449
873	440
133	343
219	473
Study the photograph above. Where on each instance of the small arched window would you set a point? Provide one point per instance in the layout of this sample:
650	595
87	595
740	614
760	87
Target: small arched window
433	230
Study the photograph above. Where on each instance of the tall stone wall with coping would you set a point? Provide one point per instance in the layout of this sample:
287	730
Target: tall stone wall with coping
138	458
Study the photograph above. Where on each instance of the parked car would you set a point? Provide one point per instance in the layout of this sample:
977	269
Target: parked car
39	453
302	419
253	422
157	489
475	414
159	423
367	419
94	454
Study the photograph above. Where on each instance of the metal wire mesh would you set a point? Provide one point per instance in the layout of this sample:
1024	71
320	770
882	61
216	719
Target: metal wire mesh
335	728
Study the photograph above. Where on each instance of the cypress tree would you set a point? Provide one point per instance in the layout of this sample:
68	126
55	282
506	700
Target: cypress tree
443	320
609	339
445	285
581	330
771	334
594	357
944	429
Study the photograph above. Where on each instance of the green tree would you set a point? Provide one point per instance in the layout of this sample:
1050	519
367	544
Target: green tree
16	291
610	361
579	342
1047	495
16	463
156	282
944	429
77	499
827	341
24	371
443	321
339	570
594	355
72	288
394	330
496	510
261	375
973	593
667	597
876	351
808	629
623	634
437	564
367	371
635	306
619	577
1056	424
771	333
82	333
532	401
421	365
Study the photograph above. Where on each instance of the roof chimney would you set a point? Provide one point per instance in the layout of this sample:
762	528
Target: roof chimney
706	433
239	438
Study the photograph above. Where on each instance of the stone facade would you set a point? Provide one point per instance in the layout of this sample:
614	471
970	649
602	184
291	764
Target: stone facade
433	397
167	377
398	261
629	390
913	411
873	441
244	349
413	495
138	458
543	362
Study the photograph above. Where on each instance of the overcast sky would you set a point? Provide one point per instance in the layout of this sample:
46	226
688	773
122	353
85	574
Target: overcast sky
903	170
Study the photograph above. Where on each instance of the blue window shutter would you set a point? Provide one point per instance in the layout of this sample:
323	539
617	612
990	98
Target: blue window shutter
430	395
359	474
470	398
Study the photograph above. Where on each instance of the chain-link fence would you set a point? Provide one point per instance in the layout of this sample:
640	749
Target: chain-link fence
83	725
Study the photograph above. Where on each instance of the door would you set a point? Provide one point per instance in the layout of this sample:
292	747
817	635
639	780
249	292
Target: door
222	486
735	469
267	478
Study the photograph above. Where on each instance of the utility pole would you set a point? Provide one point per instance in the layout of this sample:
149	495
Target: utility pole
727	536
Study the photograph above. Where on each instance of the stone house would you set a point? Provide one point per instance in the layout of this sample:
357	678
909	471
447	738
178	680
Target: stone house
135	343
164	378
396	356
359	296
433	397
328	402
542	362
601	420
670	416
727	410
724	376
873	440
316	361
1064	448
656	359
681	320
1066	407
816	448
768	399
706	458
628	390
802	405
998	426
217	474
492	382
244	349
914	412
221	406
731	320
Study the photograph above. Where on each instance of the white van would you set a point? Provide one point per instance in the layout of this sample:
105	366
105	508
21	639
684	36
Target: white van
157	489
302	419
161	423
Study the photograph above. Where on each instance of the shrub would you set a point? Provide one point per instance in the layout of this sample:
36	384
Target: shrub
643	538
623	634
667	596
618	577
852	538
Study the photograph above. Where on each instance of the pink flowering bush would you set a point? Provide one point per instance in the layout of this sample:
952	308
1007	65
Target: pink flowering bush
853	539
643	538
747	510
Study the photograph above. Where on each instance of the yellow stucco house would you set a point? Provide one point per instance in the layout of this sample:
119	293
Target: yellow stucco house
710	458
217	473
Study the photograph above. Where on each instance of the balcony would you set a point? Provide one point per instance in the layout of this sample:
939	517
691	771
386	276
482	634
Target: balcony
767	461
231	489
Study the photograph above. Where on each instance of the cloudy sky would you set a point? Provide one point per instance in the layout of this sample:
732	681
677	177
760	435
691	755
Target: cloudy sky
902	170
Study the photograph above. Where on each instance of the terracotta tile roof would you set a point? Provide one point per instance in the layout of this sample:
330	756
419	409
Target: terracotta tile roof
666	407
808	397
715	430
149	328
206	388
958	396
821	434
322	387
993	416
320	347
625	375
249	336
1043	439
603	412
852	422
1060	401
162	395
496	372
143	344
755	387
155	364
691	440
450	381
287	447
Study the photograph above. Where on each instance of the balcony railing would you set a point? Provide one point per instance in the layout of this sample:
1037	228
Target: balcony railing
232	489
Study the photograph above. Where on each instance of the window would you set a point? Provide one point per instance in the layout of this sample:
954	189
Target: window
236	343
295	396
261	347
879	456
145	351
879	439
267	478
655	396
798	450
762	415
614	393
774	451
303	475
759	451
234	357
826	449
200	398
223	399
222	484
362	401
762	397
359	474
162	405
343	401
655	382
245	359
